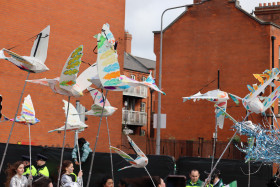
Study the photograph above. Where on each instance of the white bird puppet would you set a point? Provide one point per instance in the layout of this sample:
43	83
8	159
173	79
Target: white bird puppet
96	108
108	67
27	113
35	63
73	120
251	101
218	97
68	83
140	162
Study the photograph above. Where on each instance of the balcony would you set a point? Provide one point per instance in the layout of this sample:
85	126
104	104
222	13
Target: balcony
131	117
139	91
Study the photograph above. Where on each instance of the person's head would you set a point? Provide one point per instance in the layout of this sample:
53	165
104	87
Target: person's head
15	168
81	142
41	160
42	182
160	181
145	181
25	160
67	167
122	183
215	176
194	175
107	181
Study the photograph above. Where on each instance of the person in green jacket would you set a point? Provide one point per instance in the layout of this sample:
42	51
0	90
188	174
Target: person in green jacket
194	179
26	163
41	167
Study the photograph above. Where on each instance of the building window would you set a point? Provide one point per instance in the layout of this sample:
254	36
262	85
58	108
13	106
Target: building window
144	78
143	107
132	77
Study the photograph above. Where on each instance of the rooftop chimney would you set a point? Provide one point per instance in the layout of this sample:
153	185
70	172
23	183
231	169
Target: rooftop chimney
127	42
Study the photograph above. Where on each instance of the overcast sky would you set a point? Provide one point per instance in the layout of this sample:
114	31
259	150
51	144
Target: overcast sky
143	17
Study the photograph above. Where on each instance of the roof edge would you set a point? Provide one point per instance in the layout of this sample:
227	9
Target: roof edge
137	62
230	1
251	16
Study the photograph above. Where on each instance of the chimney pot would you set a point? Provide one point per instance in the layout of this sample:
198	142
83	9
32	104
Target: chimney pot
273	3
269	4
127	40
278	3
260	4
264	4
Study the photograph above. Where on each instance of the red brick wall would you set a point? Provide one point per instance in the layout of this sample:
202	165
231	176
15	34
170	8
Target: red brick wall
268	12
72	23
210	37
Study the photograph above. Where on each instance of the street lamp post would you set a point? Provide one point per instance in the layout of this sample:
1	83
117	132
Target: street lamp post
159	83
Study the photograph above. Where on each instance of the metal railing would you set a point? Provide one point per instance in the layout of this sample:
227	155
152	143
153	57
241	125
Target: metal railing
139	91
131	117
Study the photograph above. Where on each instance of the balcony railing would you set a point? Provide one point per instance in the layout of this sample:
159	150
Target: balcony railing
139	91
131	117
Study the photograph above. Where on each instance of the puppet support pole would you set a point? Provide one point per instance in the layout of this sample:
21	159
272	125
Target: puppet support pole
214	144
249	171
150	176
79	156
93	153
7	144
209	176
29	150
63	144
112	169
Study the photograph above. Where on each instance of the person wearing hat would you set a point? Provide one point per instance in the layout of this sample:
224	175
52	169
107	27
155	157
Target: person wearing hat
41	167
216	179
26	163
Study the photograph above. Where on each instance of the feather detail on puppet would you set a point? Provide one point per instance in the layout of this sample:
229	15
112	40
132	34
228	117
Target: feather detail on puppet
108	66
68	83
96	108
73	121
35	63
218	97
140	162
251	101
27	113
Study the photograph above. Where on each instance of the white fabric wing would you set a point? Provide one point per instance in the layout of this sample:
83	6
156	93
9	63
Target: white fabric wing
40	45
73	117
28	112
135	147
98	97
82	79
71	68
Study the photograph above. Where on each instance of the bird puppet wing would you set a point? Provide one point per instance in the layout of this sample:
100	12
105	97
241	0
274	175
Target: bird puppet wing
70	70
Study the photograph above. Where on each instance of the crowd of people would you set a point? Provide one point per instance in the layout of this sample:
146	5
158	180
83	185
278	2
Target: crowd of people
24	174
18	175
214	181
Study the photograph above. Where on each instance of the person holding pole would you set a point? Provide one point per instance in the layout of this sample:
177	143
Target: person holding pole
68	179
84	151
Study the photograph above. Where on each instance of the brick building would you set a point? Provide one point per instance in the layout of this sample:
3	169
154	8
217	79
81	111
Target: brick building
138	103
210	36
268	12
72	24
